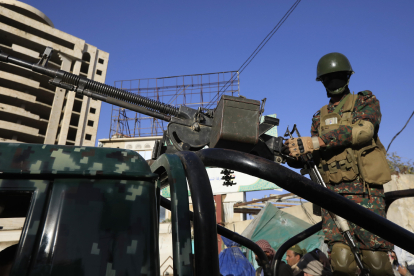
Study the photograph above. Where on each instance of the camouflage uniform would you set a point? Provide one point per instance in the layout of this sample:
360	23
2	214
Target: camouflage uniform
372	197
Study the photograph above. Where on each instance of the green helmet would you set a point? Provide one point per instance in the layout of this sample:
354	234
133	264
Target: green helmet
332	62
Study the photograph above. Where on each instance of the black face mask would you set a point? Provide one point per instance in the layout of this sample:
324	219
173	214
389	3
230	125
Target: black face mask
395	262
334	84
335	80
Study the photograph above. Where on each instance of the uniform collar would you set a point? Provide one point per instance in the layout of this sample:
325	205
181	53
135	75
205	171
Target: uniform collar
331	106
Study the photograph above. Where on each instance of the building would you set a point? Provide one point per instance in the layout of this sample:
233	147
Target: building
31	110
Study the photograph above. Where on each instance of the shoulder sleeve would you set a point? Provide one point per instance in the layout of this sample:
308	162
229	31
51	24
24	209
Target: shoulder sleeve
367	108
315	123
365	93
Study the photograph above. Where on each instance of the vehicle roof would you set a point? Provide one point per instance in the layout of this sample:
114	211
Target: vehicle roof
70	161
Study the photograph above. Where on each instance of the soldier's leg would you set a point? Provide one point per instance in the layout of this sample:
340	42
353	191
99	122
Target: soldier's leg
373	248
342	260
378	262
366	240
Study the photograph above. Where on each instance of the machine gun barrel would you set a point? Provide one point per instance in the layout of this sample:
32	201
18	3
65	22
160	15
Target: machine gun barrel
96	90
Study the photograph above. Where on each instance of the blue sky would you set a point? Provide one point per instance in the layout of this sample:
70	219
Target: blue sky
157	38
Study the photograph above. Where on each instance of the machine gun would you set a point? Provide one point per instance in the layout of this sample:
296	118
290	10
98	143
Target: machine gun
234	124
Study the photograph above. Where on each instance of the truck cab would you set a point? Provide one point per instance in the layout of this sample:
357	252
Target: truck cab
88	211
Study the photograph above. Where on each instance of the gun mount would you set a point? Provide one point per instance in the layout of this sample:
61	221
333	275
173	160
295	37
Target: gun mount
234	124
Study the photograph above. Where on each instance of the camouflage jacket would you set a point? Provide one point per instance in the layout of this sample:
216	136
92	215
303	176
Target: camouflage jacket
366	107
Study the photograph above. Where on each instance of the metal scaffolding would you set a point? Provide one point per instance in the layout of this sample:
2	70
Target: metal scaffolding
193	91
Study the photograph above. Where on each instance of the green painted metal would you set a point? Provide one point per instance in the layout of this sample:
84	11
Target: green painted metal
89	211
181	229
53	160
94	227
230	114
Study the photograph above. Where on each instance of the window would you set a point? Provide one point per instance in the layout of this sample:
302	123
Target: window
72	66
84	68
14	204
99	72
162	214
86	57
90	123
88	137
19	211
101	61
92	110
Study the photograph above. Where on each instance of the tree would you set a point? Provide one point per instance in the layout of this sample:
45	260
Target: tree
398	166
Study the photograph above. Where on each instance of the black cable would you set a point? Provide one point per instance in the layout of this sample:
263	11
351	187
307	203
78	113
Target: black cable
400	131
274	31
306	212
256	51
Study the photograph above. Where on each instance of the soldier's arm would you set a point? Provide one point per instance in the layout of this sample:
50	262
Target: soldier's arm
315	124
368	116
314	132
315	127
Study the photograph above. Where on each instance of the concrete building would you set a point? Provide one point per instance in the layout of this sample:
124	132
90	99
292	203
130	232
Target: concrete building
142	145
31	110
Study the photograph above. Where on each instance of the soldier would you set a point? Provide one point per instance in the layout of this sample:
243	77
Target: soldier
351	159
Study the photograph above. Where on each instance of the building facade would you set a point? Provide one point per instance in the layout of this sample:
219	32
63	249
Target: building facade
32	110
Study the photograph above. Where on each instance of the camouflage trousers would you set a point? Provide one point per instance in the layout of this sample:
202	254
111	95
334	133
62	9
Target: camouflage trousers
364	240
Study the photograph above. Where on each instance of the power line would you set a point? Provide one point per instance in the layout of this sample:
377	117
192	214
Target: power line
306	212
400	131
255	52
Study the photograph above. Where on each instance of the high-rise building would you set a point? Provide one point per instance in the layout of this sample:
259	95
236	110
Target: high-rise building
32	110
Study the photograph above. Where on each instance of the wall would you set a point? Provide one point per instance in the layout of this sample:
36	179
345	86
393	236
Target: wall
142	145
304	212
401	211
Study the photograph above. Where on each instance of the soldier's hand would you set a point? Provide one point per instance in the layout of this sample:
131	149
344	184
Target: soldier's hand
302	145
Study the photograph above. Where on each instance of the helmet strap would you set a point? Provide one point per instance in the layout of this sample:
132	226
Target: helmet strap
329	95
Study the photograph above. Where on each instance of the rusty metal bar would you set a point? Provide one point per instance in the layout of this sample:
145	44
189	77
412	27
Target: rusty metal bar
261	200
247	211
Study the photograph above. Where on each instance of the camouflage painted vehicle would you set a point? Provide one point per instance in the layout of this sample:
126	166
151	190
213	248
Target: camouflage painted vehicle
89	211
94	211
